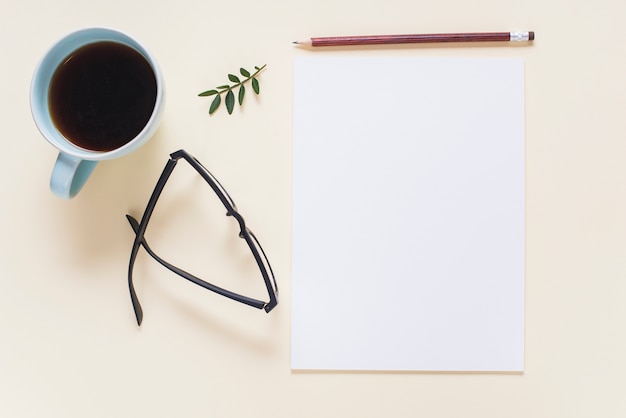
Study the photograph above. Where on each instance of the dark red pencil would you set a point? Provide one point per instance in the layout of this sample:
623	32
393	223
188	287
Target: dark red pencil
420	38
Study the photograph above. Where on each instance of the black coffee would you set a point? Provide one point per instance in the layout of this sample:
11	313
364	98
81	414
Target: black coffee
102	95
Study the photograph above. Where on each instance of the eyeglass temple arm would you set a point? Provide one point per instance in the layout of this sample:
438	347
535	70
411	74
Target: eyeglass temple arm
248	301
140	231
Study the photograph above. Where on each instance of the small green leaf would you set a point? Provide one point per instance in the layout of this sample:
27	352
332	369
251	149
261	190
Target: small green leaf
257	68
244	72
225	87
242	92
255	85
230	101
207	93
215	104
234	78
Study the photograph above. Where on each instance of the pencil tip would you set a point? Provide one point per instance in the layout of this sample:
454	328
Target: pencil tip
302	43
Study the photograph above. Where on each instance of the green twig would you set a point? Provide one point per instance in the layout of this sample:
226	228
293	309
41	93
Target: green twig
228	90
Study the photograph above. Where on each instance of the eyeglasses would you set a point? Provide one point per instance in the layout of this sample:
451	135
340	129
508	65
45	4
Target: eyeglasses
231	210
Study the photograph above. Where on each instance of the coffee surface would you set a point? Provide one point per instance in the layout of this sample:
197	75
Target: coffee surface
102	95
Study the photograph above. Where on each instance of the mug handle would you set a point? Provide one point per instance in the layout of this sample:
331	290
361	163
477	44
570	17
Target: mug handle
69	175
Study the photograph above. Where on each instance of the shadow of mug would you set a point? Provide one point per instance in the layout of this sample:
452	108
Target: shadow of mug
96	94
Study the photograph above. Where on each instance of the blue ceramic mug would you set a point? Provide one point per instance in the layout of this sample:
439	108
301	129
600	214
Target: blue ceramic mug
75	163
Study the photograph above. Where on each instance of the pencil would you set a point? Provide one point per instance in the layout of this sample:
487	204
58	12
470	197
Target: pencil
423	38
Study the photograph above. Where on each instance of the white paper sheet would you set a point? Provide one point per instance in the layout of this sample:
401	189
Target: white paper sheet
408	214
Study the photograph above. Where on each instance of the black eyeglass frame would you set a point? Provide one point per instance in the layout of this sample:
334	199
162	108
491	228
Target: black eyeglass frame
231	210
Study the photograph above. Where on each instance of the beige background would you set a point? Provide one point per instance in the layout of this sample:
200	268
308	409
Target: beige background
69	346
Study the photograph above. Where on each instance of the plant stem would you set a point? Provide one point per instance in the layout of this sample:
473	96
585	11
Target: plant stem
244	81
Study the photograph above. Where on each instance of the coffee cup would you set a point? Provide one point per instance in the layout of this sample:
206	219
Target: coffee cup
96	94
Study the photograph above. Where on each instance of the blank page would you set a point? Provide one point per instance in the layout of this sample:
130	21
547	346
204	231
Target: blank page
408	214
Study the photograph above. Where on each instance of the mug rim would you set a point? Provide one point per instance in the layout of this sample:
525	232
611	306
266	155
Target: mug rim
40	111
